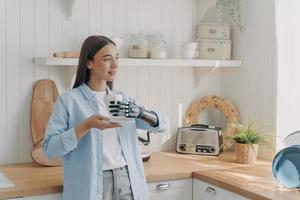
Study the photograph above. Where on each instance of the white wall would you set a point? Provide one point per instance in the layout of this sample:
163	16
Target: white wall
288	96
252	88
39	28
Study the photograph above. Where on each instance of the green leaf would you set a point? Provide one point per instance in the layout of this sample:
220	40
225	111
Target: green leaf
249	135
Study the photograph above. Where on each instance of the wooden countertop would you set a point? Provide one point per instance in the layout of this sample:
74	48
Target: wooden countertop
30	180
254	182
170	165
221	171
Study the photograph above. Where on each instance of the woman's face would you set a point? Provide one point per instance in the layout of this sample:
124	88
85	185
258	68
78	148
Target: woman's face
104	66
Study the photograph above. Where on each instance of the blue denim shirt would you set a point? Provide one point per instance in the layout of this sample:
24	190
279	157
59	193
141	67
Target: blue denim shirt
82	161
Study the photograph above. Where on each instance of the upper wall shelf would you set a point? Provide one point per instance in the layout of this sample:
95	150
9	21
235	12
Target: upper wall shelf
145	62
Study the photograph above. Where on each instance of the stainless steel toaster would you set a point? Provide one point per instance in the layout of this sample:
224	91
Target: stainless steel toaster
199	139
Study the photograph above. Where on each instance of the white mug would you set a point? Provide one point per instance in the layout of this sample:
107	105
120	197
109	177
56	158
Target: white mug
111	99
189	46
188	54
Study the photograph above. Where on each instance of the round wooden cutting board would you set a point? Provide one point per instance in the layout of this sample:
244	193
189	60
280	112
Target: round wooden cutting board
44	97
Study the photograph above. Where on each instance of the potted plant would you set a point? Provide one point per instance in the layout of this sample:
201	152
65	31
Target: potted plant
231	7
247	142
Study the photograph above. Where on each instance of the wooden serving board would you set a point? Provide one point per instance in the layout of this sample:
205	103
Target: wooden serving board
44	97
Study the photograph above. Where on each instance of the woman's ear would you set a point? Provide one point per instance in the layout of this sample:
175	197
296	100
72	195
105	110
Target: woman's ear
88	65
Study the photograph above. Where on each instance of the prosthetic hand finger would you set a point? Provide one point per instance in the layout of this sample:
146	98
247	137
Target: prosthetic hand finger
131	110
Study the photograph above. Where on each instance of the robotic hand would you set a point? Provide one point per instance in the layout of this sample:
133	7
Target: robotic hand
131	110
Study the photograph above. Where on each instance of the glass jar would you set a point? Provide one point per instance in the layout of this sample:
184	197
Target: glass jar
156	46
138	46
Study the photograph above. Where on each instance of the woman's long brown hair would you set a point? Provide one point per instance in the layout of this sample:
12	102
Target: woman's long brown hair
88	50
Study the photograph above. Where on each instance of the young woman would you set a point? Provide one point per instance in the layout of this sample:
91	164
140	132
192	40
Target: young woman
101	159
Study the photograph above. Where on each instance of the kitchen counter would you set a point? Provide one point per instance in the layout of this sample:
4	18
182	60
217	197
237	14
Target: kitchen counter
252	181
31	180
170	165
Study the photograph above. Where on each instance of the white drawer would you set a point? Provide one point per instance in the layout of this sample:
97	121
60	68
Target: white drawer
19	198
203	190
173	189
239	197
57	196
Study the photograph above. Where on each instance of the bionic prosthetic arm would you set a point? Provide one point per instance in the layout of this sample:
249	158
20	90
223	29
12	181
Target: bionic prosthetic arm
131	110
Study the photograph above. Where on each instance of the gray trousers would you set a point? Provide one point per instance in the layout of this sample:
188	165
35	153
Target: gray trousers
116	184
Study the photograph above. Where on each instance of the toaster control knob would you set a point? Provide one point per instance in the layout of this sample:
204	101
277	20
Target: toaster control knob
182	147
212	149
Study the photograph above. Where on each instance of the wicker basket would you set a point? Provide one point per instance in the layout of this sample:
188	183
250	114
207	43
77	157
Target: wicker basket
225	106
246	153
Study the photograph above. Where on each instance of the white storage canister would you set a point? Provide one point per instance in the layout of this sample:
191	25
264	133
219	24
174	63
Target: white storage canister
214	49
214	31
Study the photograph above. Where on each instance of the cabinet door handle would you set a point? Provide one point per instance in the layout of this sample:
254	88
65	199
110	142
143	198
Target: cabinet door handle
163	186
211	191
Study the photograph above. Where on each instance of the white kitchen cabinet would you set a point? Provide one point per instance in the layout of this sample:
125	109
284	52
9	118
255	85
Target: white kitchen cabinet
171	190
20	198
57	196
239	197
187	189
206	191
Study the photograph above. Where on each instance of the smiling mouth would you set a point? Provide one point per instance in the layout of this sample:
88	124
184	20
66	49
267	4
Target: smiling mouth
112	73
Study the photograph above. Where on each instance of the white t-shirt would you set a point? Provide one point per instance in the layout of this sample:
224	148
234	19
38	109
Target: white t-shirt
112	151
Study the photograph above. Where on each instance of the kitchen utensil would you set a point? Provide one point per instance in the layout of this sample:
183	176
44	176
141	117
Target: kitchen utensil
144	146
286	163
44	97
40	157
